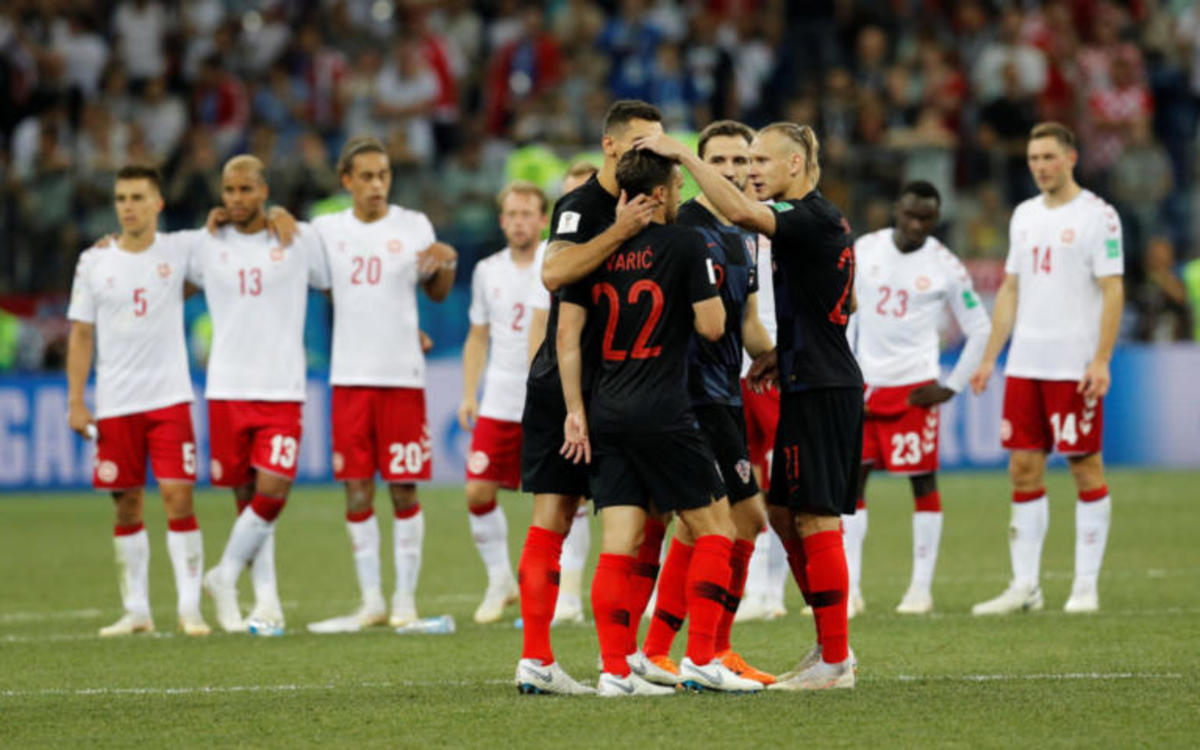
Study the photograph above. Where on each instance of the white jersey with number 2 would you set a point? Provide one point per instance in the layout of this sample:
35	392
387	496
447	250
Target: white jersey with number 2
901	298
501	298
1057	254
135	301
374	278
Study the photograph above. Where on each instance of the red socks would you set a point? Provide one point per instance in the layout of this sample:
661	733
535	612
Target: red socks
538	574
671	606
708	595
739	562
131	529
409	512
931	503
798	562
359	516
829	582
182	525
610	598
645	573
481	510
266	507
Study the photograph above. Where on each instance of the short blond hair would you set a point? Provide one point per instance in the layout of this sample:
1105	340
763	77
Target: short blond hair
363	144
523	187
804	137
1055	130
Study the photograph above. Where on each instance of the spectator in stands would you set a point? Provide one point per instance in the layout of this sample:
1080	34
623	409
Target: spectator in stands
163	119
406	93
1112	115
220	104
141	28
1009	49
1141	181
195	187
521	69
1160	299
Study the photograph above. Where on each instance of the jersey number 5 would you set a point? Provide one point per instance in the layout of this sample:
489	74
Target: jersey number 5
839	314
640	350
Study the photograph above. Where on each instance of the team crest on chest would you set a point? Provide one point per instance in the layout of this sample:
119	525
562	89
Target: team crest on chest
395	246
341	247
923	283
164	270
109	282
224	257
1067	236
276	254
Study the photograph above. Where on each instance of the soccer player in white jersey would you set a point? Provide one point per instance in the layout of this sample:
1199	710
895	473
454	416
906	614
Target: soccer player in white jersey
378	254
257	291
127	302
906	278
1061	300
501	287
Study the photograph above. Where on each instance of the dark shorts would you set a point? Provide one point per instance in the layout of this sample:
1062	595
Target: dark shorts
818	451
543	470
674	471
725	429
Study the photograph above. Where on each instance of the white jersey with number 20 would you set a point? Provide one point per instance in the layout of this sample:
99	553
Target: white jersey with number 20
1057	254
374	278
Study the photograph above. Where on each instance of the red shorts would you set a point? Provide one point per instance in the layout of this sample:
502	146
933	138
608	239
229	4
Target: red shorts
900	438
762	419
248	435
124	443
1046	415
495	454
381	429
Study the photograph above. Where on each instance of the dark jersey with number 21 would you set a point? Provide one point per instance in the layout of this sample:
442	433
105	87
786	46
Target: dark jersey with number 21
641	299
813	256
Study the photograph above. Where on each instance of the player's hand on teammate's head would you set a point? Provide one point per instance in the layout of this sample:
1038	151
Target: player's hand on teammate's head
217	218
1096	380
282	224
930	394
575	445
468	412
663	145
981	376
764	371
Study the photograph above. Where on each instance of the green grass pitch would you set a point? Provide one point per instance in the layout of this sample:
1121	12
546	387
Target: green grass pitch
1127	676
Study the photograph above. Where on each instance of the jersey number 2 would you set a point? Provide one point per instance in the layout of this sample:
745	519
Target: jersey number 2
839	314
640	350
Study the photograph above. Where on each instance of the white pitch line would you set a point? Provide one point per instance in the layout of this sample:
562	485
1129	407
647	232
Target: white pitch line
297	688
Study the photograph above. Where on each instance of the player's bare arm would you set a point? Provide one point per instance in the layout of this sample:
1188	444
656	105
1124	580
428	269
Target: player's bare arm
436	265
576	446
973	320
81	343
1097	379
474	357
537	330
1004	317
755	338
561	268
733	204
764	370
710	318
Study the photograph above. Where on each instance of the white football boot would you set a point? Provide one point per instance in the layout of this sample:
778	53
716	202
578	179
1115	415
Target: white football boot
534	679
1083	599
612	686
714	676
649	671
855	605
568	610
224	595
1016	598
820	676
404	610
265	619
193	624
129	624
497	597
368	615
753	607
915	602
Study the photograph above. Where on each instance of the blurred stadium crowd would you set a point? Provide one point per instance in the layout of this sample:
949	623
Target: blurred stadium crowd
469	94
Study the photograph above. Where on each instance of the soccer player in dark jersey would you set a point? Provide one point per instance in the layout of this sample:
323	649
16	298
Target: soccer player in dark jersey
818	445
585	229
647	298
714	387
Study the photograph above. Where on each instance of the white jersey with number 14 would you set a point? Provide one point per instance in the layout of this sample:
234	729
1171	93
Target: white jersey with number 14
1057	254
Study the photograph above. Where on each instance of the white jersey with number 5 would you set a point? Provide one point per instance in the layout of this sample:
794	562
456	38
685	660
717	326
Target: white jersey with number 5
135	301
374	278
901	297
257	293
501	294
1057	254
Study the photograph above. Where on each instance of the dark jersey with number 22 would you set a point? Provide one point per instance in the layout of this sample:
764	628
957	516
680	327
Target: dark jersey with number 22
641	299
813	256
